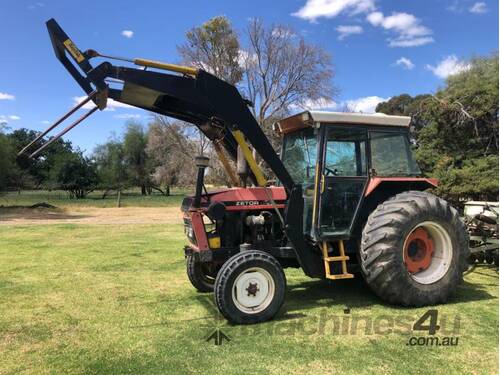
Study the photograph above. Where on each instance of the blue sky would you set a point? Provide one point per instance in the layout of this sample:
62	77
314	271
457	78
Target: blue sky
380	48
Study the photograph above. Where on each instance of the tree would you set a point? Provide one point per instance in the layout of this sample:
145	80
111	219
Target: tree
171	152
214	47
282	71
34	172
278	71
73	173
456	131
134	147
111	167
28	172
6	160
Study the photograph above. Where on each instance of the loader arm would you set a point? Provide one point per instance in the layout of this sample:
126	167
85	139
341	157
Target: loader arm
196	96
190	95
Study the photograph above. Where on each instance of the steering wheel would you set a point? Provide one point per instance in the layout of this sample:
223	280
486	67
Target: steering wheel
333	172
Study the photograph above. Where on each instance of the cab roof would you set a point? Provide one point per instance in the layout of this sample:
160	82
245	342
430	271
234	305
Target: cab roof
309	118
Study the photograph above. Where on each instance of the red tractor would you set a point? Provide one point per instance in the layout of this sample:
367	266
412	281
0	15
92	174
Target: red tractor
349	195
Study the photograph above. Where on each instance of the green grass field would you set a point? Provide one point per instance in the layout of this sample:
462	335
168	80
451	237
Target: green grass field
60	198
115	299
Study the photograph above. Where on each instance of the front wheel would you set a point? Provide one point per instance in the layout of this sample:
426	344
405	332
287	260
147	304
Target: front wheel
250	287
200	274
414	249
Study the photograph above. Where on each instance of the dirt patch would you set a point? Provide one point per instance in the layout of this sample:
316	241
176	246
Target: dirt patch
87	215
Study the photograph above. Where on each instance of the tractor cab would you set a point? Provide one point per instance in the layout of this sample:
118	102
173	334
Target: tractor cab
334	155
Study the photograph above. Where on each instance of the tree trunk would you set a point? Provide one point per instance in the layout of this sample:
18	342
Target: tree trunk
167	190
143	190
119	199
157	188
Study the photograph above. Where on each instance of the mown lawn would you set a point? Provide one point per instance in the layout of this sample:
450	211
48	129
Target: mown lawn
59	198
115	299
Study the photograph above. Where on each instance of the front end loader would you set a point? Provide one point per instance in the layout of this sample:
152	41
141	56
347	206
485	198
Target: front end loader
349	199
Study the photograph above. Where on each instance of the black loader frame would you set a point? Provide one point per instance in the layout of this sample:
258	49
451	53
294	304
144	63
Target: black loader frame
191	95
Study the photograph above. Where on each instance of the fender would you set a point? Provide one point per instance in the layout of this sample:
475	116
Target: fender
416	183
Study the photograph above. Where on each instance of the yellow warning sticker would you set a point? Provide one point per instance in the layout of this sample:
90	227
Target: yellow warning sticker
75	52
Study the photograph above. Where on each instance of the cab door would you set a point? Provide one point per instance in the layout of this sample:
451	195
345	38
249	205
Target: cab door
344	175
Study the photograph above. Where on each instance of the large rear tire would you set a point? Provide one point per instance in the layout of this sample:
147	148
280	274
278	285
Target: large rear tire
414	249
200	275
250	287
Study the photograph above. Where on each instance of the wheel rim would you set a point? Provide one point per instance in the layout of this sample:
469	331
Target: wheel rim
427	252
253	290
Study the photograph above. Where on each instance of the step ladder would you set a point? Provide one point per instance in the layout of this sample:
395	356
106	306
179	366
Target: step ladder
342	259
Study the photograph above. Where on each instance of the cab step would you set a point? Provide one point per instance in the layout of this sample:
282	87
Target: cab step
342	258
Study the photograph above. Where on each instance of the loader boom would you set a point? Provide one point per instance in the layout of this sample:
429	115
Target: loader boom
191	95
196	96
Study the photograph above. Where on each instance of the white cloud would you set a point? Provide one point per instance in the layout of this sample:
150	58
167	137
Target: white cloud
375	18
405	63
45	122
410	32
366	104
314	9
455	7
450	65
245	58
346	30
128	33
35	6
128	116
111	106
478	8
5	119
316	105
410	42
5	96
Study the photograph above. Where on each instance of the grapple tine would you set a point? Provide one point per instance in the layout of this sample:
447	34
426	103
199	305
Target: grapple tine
50	128
59	135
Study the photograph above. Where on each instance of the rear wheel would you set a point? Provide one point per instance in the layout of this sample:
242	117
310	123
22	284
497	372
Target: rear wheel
200	275
250	287
414	249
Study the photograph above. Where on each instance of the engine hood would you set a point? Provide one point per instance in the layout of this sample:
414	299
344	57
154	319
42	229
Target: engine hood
236	199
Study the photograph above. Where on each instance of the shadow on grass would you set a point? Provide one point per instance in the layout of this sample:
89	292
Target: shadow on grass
477	267
24	213
355	293
337	296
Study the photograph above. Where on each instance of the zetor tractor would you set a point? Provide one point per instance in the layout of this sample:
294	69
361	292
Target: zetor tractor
348	195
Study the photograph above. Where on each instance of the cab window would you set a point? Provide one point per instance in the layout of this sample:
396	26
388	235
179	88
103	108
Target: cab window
299	155
391	155
345	152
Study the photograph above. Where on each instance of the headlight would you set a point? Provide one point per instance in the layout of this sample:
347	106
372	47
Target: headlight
188	230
